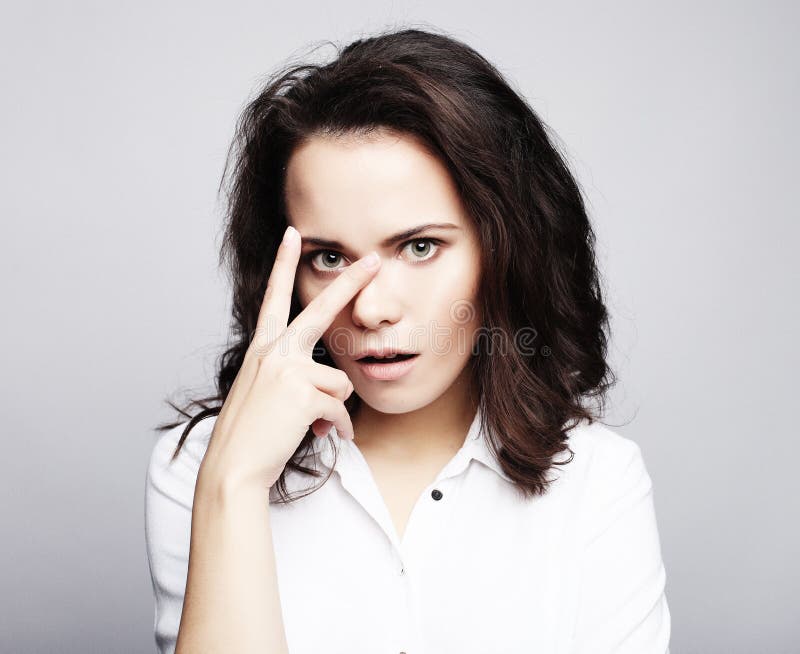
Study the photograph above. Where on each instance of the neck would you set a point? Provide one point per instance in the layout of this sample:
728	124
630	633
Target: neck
437	428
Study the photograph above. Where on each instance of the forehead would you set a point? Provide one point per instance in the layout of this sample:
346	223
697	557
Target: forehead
352	186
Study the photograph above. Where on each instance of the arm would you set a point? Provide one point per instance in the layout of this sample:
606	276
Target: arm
232	602
231	594
192	524
623	607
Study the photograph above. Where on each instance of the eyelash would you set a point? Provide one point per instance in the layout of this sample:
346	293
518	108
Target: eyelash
309	256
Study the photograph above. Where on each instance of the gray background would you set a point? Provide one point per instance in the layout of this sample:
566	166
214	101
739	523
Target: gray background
679	120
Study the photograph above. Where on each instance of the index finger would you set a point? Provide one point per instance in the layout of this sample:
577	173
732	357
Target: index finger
309	325
275	308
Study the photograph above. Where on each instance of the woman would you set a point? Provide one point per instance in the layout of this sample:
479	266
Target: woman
469	501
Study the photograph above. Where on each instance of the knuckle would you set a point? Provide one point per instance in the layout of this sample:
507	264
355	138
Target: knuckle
262	342
332	406
265	372
288	374
307	395
355	272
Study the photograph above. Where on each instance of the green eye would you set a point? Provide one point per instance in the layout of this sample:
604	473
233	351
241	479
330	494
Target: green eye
324	262
416	250
326	259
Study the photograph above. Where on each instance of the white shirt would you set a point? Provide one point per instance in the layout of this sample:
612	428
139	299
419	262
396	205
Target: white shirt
478	570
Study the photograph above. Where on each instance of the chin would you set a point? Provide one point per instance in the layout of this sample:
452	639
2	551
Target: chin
392	402
397	398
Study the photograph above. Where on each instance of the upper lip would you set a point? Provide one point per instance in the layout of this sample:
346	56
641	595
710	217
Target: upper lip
382	353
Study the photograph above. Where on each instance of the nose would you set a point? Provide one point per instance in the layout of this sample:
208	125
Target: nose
377	304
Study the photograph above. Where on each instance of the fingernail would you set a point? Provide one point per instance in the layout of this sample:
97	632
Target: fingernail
371	261
289	234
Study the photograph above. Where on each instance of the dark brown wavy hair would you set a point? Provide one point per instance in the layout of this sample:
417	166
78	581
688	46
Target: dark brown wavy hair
540	276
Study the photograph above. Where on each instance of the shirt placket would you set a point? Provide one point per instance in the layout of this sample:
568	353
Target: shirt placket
407	560
418	551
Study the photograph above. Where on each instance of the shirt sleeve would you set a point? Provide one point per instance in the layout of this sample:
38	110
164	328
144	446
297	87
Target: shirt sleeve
622	606
169	496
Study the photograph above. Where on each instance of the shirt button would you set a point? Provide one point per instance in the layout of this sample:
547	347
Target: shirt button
436	494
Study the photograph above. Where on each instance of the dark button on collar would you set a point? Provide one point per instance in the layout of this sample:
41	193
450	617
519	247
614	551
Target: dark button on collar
436	494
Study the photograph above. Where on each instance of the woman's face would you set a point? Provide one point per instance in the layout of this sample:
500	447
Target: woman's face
355	194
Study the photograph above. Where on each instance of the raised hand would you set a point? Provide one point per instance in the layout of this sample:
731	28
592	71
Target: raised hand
280	390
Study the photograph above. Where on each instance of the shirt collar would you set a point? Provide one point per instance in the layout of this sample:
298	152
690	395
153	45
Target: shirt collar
475	446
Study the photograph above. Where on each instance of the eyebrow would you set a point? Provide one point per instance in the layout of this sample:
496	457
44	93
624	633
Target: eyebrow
386	243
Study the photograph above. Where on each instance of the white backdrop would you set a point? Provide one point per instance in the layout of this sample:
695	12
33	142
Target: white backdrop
679	121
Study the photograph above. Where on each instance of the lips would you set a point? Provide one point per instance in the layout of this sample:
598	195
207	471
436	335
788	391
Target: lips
386	369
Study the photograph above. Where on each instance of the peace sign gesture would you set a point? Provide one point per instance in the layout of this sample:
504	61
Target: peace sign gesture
280	390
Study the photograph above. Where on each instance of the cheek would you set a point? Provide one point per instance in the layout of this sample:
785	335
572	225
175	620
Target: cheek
453	297
305	289
340	344
452	319
458	309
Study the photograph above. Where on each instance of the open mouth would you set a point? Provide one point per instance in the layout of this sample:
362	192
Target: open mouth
386	368
385	360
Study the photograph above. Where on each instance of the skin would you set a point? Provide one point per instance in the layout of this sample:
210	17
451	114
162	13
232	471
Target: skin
232	601
359	191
